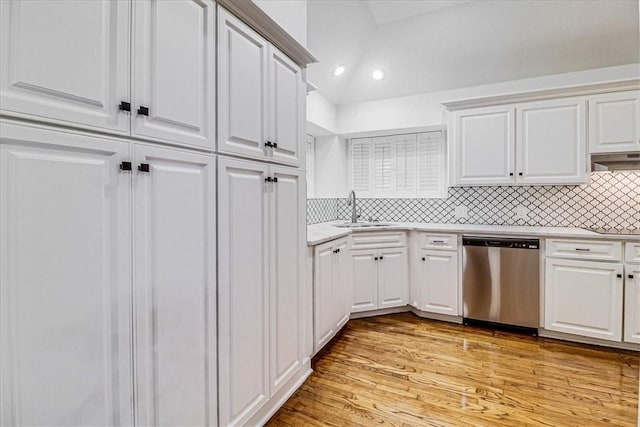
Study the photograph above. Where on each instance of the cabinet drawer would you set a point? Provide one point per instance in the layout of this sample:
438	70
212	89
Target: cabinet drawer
632	252
584	249
438	241
378	239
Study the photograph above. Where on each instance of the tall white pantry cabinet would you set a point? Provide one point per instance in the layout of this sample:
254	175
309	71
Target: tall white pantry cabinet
144	278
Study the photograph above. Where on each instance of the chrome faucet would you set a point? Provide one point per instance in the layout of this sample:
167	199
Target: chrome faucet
352	203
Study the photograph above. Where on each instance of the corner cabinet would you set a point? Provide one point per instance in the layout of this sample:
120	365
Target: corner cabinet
143	68
532	143
614	122
260	96
261	233
380	279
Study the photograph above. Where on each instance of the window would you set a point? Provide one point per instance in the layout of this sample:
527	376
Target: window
407	166
311	145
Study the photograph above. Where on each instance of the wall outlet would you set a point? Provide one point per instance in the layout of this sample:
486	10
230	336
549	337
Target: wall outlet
522	212
461	212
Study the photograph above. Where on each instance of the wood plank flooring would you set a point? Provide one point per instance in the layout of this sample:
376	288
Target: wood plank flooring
400	370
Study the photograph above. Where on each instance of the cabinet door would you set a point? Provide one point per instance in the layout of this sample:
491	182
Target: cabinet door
323	299
65	278
364	273
584	298
66	62
173	71
343	286
288	235
175	303
438	279
483	146
286	107
632	304
614	122
243	292
393	283
242	88
550	144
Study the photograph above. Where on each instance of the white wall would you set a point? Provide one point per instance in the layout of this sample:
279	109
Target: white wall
321	113
426	110
331	167
291	15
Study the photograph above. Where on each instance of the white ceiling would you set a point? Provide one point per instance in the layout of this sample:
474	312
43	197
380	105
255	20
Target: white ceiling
394	10
427	46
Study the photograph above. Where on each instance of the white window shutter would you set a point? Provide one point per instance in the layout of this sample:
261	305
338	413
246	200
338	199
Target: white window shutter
311	189
383	166
430	165
361	166
406	166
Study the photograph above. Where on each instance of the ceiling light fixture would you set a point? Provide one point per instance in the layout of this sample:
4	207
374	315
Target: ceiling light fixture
378	74
339	70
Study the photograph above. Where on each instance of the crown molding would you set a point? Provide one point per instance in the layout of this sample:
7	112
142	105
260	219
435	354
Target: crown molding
538	95
256	18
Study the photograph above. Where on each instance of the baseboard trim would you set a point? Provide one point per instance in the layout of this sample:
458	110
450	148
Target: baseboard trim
380	312
544	333
436	316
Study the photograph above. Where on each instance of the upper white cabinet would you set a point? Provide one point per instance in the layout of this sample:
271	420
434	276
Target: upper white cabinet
534	143
175	304
550	142
483	146
261	233
66	62
173	81
260	96
71	63
614	122
65	279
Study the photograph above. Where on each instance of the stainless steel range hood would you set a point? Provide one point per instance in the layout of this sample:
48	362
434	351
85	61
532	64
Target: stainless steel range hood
615	162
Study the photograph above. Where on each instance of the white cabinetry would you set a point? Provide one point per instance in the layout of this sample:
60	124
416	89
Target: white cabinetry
549	146
71	63
632	303
584	298
434	273
66	62
174	224
65	279
550	142
261	236
333	292
379	271
173	71
483	146
260	95
614	122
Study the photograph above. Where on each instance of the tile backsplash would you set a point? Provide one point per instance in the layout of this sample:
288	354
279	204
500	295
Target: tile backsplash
610	200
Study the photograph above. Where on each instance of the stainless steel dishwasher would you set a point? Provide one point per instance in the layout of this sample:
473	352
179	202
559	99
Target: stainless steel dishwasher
501	282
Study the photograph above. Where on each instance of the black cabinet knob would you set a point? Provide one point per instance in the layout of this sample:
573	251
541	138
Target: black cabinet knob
375	259
520	173
124	106
510	173
424	259
268	179
381	257
619	276
143	167
143	111
630	276
125	166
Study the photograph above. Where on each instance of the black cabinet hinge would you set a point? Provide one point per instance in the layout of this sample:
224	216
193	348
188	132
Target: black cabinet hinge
143	111
125	166
143	167
124	106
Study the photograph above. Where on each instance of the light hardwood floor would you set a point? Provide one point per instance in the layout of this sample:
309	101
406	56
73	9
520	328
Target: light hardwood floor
400	370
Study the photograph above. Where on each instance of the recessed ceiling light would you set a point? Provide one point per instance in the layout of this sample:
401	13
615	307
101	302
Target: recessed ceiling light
378	74
339	70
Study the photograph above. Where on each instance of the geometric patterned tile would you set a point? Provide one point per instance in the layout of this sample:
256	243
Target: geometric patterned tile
610	200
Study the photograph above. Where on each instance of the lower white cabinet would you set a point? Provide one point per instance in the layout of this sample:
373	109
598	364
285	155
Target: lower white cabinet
261	231
65	279
632	303
175	292
436	282
333	292
380	278
584	298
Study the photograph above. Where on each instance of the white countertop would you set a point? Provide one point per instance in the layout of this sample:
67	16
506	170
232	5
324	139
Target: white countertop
327	231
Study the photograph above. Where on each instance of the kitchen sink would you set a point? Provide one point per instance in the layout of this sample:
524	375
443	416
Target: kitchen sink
362	224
